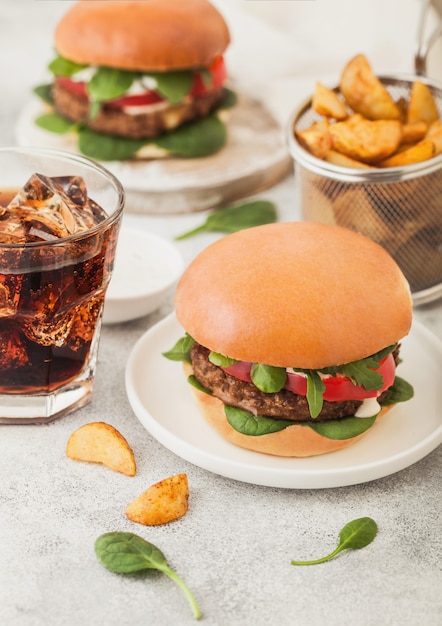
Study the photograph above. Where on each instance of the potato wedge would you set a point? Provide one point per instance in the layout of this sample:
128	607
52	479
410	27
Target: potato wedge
435	134
365	93
414	154
336	158
326	102
366	140
413	132
99	442
316	138
161	503
422	105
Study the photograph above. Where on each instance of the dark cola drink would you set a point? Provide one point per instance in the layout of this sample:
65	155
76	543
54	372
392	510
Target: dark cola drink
56	257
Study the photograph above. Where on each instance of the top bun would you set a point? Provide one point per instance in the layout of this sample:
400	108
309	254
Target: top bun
143	35
296	294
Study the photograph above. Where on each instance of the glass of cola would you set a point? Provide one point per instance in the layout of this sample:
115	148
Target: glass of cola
59	220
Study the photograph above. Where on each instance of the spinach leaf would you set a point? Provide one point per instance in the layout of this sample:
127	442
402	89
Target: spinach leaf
233	218
55	123
103	147
230	99
195	139
344	428
268	378
315	391
355	535
181	350
220	360
400	391
192	380
125	553
109	83
174	85
44	93
63	67
248	424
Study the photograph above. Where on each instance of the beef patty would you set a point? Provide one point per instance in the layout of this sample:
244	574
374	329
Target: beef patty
112	121
283	404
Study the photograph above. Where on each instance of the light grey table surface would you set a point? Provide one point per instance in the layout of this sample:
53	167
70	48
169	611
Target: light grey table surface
234	546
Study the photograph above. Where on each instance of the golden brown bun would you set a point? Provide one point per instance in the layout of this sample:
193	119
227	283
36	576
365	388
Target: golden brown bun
294	294
295	441
155	35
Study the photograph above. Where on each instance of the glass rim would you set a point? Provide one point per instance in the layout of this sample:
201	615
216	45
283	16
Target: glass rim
86	162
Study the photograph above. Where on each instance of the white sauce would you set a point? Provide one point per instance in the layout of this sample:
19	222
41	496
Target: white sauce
368	408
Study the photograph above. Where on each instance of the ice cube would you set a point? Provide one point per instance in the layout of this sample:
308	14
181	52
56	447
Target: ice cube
49	208
12	350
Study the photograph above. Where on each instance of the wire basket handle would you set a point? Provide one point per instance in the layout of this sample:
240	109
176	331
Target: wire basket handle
424	45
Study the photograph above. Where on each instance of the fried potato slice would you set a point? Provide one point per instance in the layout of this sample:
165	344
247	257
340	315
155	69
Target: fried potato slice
420	151
336	158
366	140
316	138
435	134
326	102
365	93
99	442
413	132
161	503
422	105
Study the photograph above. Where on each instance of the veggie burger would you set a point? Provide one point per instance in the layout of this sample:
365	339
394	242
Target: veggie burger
292	335
137	70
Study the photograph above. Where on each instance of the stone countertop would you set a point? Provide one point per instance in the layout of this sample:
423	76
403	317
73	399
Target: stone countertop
234	546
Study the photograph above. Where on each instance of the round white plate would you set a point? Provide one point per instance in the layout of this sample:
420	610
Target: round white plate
255	158
161	399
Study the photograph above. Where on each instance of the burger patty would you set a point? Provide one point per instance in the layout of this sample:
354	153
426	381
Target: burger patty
112	121
283	404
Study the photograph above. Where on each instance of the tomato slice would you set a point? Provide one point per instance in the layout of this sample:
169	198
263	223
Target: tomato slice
337	388
217	71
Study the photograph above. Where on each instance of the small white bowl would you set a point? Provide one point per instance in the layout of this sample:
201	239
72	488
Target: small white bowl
146	270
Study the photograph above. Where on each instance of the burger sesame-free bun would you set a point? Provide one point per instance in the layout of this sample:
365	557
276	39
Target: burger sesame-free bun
294	441
142	35
294	294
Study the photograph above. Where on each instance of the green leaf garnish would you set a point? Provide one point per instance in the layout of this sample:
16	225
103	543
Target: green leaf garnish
345	428
55	123
248	424
355	535
315	391
195	139
173	86
220	360
400	391
181	350
63	67
107	147
268	378
126	553
192	380
108	83
363	373
44	93
234	218
230	99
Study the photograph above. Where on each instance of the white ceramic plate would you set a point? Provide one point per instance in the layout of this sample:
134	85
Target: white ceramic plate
161	399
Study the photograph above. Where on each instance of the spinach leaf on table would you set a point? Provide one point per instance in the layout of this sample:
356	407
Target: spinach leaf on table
126	553
237	217
355	535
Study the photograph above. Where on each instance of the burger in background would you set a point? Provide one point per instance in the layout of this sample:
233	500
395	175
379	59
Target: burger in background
139	79
292	336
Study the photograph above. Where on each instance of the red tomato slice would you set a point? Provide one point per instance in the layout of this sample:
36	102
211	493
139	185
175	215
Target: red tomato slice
142	99
337	388
218	73
77	88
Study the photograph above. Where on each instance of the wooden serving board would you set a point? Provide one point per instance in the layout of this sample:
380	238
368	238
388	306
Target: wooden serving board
254	159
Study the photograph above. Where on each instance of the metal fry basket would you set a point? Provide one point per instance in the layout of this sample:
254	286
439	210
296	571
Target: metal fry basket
398	207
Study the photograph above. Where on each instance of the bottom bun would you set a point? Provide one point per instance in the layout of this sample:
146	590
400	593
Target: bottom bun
294	441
